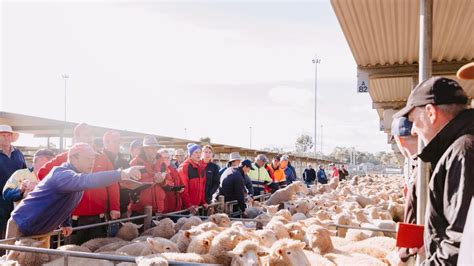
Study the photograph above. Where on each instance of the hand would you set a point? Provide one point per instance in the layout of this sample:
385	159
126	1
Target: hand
181	190
132	173
205	206
159	177
193	210
114	215
23	186
414	251
66	231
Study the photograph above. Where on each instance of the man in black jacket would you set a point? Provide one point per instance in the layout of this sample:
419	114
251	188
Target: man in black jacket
309	175
437	108
232	185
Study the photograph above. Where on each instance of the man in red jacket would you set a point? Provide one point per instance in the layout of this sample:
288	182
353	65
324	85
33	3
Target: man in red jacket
82	133
100	203
193	178
174	188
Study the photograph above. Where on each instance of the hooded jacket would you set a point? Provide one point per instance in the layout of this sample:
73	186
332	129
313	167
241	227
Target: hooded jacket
194	181
451	188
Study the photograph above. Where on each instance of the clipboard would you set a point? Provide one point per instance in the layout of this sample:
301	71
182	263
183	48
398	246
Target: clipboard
410	235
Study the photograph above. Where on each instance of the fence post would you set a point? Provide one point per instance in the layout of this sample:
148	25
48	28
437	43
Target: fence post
148	218
222	204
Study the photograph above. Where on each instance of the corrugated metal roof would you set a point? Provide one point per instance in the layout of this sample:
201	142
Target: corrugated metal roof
390	89
381	32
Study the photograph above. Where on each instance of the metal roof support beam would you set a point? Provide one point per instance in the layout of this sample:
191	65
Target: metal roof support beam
409	70
388	105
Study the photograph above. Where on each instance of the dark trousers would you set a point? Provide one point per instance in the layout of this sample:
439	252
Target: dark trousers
81	236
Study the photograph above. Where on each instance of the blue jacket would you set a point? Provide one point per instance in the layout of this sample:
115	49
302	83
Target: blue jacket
232	186
290	175
53	200
322	177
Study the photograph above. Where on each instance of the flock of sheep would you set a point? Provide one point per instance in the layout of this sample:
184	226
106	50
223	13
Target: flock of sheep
301	233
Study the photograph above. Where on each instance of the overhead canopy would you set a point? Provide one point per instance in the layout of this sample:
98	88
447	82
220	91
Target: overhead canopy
383	36
44	127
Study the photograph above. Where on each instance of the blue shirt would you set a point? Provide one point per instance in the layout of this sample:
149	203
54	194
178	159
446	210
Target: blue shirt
322	177
9	165
53	200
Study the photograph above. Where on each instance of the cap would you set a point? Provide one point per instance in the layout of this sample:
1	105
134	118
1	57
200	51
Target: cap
192	147
150	141
234	156
136	144
44	152
82	129
81	148
247	163
401	127
436	90
466	71
262	158
285	158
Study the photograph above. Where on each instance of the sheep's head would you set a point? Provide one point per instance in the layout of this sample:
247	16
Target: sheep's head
247	253
28	258
266	237
319	239
221	219
289	252
201	243
161	245
271	209
207	226
300	187
284	213
128	231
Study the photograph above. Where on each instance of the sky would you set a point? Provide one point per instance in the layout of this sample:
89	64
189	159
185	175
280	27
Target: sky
213	67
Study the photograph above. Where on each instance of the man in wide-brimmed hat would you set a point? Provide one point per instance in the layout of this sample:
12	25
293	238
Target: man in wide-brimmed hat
11	159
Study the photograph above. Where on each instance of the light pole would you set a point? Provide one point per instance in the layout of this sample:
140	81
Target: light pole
185	133
316	61
65	77
250	128
321	139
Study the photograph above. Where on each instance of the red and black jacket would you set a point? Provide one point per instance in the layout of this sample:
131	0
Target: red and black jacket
194	181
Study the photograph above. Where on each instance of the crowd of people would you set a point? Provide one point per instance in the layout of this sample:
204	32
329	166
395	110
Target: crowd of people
88	178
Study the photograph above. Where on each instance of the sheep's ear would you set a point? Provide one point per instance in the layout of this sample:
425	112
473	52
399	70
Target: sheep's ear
13	255
206	242
187	234
151	241
122	223
214	219
230	254
156	222
302	245
138	226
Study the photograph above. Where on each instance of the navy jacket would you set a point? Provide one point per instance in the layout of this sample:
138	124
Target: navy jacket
213	179
8	165
322	177
309	175
232	186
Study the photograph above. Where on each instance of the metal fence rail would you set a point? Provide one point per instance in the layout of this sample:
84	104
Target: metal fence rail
66	254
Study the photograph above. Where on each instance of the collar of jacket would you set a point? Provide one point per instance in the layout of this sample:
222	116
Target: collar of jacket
462	124
193	163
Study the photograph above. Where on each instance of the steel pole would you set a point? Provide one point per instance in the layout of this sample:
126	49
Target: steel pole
425	72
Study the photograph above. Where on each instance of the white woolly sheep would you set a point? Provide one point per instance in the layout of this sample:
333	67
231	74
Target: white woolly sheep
247	253
221	219
113	246
128	231
151	246
69	248
28	258
279	229
288	252
225	241
201	243
298	216
183	238
163	228
185	223
97	243
266	237
287	193
75	261
283	213
190	257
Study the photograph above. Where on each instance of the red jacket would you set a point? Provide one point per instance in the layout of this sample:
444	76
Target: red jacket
155	195
99	200
194	181
173	200
56	161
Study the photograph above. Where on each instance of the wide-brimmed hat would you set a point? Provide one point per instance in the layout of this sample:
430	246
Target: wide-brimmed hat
466	71
234	156
8	129
150	141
